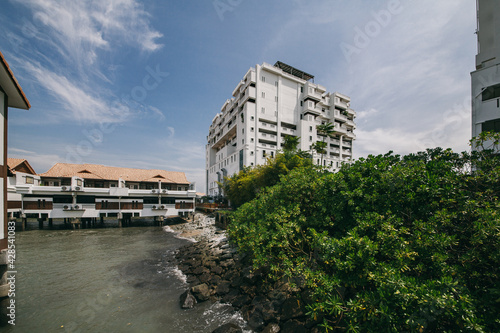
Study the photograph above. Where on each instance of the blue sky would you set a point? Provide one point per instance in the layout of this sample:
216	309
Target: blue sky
136	83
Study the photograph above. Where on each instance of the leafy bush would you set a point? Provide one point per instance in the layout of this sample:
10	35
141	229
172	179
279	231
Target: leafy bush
389	243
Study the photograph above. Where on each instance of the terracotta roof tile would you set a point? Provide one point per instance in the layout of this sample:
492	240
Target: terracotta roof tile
14	163
95	171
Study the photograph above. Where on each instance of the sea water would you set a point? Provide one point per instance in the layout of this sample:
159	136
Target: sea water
105	280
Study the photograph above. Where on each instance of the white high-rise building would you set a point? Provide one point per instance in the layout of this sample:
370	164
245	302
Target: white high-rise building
269	103
486	77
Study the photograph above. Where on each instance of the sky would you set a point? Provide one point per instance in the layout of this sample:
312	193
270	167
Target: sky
133	83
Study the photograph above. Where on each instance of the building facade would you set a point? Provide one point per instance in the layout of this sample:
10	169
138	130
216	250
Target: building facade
486	77
269	103
86	191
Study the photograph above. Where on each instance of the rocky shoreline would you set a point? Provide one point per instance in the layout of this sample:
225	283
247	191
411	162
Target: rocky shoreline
216	272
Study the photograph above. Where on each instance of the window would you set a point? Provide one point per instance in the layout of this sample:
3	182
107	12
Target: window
251	139
310	128
491	125
251	129
301	89
251	153
30	180
275	83
491	92
276	98
263	153
263	78
263	110
252	118
301	103
310	138
263	95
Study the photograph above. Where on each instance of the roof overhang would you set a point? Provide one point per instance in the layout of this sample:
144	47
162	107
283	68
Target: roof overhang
16	97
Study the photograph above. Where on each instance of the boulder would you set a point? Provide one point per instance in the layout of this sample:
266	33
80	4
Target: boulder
292	308
187	300
271	328
228	328
201	292
294	326
223	288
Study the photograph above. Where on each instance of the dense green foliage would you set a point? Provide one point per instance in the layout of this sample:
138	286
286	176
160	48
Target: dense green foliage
389	243
246	184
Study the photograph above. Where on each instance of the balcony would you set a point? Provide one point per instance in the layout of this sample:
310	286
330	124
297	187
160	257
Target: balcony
250	93
311	93
309	107
340	117
335	142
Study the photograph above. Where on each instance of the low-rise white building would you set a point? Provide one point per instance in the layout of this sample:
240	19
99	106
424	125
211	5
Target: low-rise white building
86	191
269	103
486	77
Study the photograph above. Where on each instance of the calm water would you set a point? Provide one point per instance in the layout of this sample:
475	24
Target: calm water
105	280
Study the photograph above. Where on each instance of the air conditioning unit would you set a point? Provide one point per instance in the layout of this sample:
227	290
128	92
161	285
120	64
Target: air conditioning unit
154	207
77	207
162	207
65	188
153	191
77	188
66	207
164	191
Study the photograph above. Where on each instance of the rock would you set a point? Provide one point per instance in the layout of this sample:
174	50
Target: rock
223	288
187	300
292	308
201	270
231	297
215	280
294	326
271	328
256	321
205	278
228	328
241	300
253	317
227	263
201	292
192	280
216	270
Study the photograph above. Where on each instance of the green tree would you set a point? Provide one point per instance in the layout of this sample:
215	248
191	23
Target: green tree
387	244
325	130
320	148
246	184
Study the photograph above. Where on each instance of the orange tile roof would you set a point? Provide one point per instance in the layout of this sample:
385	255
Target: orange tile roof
95	171
13	163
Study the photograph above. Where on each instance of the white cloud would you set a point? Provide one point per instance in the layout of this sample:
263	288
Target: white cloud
78	102
411	75
78	29
39	161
